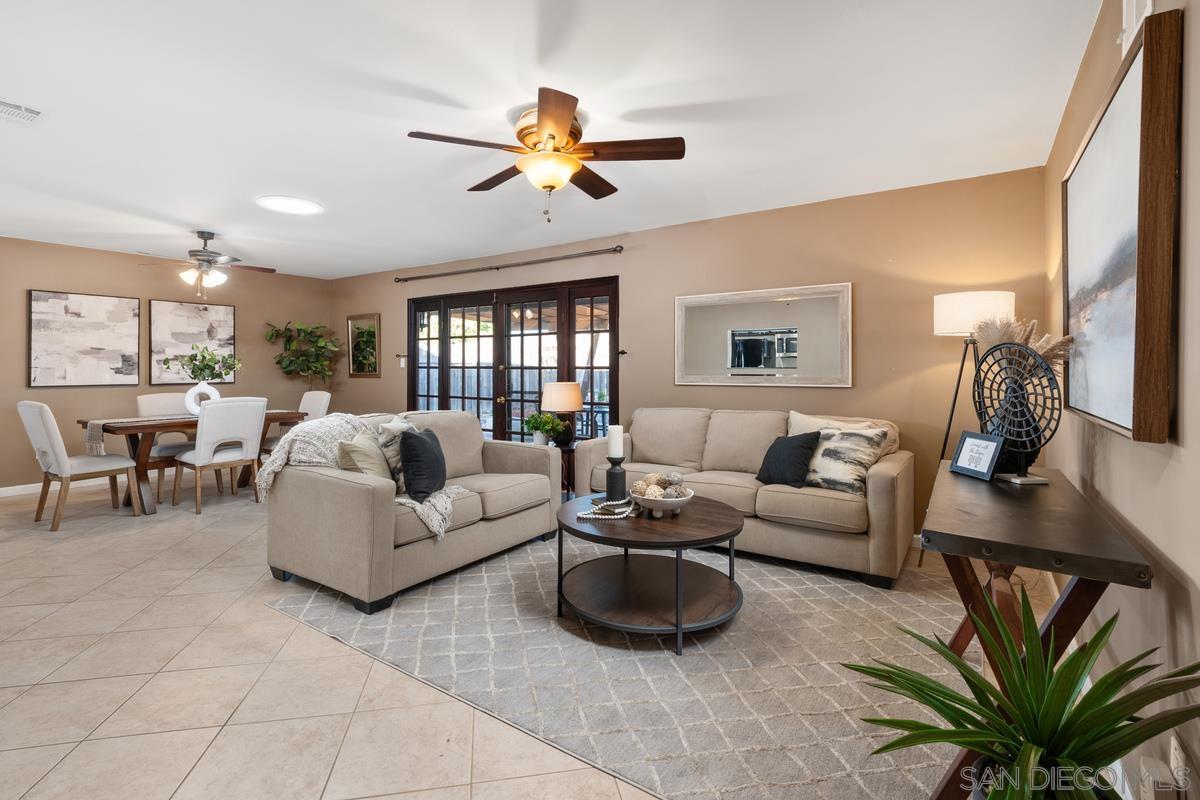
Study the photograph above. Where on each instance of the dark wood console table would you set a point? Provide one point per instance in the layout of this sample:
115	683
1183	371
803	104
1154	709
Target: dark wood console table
1050	527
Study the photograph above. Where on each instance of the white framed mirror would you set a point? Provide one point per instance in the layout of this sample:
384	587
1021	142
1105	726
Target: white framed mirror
795	336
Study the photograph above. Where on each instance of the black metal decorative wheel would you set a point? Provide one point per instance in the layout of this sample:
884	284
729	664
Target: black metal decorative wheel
1018	397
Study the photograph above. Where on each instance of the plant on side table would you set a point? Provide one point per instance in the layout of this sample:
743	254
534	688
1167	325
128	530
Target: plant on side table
1044	736
308	350
203	365
544	426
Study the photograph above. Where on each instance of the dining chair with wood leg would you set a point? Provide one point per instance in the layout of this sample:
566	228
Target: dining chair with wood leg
314	404
228	435
164	404
51	454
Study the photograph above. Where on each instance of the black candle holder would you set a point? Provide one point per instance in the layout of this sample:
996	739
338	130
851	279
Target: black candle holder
615	482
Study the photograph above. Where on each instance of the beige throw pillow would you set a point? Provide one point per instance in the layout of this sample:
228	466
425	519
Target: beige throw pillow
363	454
804	423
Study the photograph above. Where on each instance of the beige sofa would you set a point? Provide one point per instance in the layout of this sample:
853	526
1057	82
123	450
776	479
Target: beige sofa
719	453
344	529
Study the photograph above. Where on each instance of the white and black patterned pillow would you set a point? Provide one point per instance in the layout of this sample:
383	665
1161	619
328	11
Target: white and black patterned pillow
843	458
389	443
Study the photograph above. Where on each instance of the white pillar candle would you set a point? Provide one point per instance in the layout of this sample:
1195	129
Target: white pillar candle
616	441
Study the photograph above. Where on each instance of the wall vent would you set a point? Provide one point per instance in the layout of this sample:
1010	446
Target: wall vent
17	112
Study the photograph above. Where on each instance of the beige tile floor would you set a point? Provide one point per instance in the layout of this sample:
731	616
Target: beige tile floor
138	660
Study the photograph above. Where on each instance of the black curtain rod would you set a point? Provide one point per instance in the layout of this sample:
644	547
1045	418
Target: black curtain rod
496	267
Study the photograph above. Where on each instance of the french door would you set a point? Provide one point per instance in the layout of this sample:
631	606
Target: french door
491	353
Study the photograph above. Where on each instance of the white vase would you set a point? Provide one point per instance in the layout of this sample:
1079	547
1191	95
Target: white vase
539	437
197	394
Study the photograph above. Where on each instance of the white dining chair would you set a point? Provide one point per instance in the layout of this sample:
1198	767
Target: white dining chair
167	404
227	436
315	404
51	454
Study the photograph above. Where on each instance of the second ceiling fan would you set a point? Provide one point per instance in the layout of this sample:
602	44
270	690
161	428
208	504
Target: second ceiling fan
552	153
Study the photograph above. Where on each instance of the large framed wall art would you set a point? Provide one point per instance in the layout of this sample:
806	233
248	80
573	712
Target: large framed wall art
80	339
175	327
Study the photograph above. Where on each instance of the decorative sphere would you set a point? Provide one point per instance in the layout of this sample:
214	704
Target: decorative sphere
663	481
675	478
638	488
675	492
652	478
653	492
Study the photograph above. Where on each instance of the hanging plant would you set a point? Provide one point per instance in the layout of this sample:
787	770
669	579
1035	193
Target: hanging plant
308	350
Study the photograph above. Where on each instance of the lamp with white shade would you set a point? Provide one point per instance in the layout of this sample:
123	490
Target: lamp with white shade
957	314
563	398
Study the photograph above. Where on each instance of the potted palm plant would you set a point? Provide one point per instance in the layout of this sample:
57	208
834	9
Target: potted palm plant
1047	735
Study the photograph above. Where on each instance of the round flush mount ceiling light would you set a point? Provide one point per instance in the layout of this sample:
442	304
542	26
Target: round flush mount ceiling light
285	204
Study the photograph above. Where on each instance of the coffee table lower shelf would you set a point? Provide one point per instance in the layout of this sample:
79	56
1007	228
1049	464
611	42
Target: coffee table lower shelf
638	593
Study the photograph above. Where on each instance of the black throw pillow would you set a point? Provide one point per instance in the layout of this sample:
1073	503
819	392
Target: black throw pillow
787	459
423	462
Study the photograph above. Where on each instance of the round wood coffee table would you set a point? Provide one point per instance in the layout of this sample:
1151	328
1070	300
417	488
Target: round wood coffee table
645	593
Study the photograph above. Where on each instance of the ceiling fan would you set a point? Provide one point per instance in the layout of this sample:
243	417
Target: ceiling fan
207	268
551	153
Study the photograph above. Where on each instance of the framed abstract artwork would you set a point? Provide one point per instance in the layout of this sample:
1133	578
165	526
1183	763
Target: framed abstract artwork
175	327
1120	210
80	339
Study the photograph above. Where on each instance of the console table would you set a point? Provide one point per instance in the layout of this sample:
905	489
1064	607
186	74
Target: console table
1048	527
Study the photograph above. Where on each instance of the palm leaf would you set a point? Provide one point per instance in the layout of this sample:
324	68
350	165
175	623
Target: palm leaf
1127	737
1099	724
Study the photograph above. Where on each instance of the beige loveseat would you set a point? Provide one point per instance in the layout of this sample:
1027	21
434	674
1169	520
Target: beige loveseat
719	454
344	529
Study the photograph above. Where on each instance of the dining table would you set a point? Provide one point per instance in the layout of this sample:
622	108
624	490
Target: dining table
141	433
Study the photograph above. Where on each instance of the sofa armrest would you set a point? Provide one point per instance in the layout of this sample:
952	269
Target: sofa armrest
334	527
514	457
588	454
890	498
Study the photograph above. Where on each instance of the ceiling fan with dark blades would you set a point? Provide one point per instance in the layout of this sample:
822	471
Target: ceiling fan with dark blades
207	268
552	153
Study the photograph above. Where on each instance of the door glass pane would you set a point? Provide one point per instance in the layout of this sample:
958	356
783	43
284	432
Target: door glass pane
583	314
600	313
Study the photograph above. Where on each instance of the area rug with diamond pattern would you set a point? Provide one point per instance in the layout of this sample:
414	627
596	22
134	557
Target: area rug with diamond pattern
758	709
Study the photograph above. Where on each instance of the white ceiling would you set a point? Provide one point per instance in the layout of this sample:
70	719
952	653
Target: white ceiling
163	116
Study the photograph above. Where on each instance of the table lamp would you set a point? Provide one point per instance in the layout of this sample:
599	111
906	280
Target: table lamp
563	398
957	314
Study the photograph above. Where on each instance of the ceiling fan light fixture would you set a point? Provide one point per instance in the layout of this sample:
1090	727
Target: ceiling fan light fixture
548	170
213	277
285	204
188	276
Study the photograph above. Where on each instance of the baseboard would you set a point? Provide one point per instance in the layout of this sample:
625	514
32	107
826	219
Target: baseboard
34	488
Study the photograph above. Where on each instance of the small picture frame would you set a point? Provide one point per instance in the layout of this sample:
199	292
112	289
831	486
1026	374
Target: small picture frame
976	455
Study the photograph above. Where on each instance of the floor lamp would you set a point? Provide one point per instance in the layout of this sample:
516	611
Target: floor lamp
957	314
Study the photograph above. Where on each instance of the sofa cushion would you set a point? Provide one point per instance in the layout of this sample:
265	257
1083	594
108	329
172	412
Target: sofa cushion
423	463
670	436
803	423
634	471
737	441
363	454
787	459
467	509
812	508
460	436
502	494
737	489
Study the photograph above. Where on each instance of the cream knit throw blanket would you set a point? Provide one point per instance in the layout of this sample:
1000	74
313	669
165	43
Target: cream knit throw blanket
315	444
310	444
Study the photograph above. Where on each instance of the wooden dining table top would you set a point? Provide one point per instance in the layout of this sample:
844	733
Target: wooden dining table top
159	424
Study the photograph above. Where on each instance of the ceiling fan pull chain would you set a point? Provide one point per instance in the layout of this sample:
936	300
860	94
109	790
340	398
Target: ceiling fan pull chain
546	210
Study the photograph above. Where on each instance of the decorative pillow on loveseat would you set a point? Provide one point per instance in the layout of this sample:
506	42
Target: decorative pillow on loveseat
787	459
363	454
423	462
389	443
843	457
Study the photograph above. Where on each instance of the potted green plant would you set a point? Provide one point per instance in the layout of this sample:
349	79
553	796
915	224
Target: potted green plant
544	426
308	350
203	365
1045	736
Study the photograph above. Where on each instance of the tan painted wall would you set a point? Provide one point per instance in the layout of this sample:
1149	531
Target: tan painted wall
1144	484
898	249
34	265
